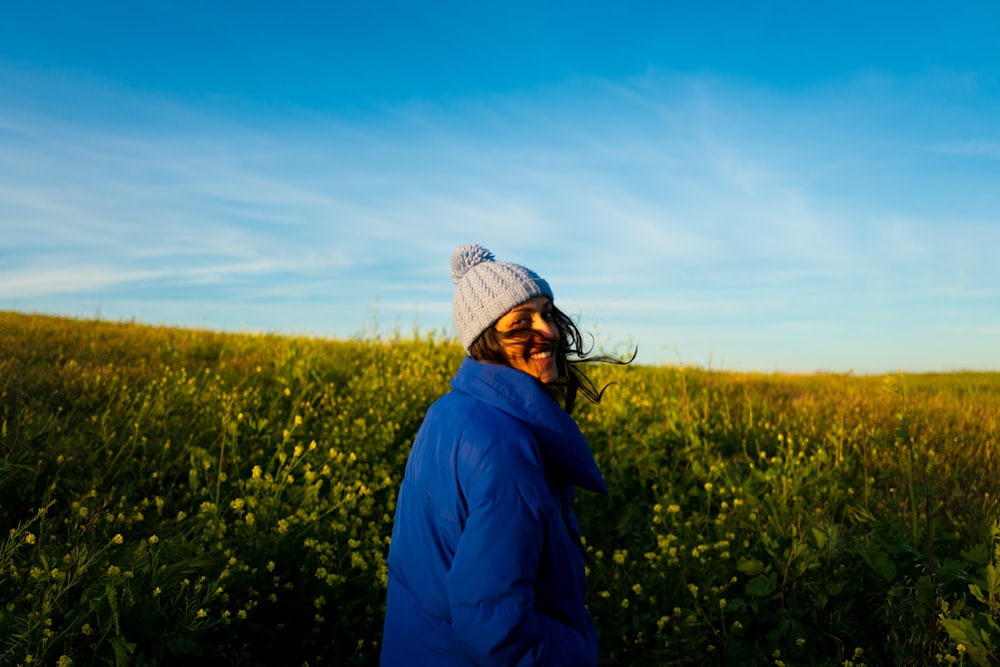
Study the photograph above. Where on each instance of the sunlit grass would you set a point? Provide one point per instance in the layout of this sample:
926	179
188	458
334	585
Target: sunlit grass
174	495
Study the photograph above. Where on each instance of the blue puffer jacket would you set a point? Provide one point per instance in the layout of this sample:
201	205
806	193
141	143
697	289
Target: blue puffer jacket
485	564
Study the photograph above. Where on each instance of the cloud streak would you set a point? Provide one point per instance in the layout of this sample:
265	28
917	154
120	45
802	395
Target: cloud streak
678	207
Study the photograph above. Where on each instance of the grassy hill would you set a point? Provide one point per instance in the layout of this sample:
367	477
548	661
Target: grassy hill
175	495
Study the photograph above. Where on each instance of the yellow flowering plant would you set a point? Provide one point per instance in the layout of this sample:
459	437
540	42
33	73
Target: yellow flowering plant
171	495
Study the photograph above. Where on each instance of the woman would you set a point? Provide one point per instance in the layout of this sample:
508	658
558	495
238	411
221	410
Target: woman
485	564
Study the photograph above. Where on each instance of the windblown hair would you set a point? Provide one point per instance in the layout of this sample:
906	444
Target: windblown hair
570	355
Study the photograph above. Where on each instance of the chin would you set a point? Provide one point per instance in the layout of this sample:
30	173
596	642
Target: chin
548	378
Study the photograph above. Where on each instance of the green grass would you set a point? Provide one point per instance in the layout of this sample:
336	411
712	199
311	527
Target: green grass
176	495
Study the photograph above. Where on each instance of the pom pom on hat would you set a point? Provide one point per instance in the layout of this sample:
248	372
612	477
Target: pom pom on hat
486	289
467	256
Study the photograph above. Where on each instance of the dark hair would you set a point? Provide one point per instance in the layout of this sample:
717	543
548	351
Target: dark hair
570	355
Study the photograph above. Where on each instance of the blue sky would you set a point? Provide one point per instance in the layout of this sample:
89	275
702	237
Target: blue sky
774	186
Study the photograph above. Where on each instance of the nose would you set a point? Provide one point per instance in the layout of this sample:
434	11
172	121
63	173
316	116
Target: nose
546	326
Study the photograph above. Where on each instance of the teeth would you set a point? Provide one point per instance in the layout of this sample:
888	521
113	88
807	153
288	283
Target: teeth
542	355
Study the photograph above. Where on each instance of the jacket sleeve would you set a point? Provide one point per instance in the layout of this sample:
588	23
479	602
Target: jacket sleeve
490	583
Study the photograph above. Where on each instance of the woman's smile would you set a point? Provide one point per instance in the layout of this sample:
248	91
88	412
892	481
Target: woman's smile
534	355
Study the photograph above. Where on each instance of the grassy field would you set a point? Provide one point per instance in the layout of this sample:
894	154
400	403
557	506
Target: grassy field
177	496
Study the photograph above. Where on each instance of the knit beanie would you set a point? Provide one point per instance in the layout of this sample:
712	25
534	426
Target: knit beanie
486	289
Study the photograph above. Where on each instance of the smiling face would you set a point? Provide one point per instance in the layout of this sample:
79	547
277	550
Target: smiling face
535	352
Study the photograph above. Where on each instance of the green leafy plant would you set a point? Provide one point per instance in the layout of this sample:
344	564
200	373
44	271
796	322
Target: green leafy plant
170	495
975	628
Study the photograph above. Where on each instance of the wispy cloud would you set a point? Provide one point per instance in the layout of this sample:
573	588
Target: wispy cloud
982	148
666	204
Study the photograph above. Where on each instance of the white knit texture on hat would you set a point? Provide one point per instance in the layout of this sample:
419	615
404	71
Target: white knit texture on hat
486	289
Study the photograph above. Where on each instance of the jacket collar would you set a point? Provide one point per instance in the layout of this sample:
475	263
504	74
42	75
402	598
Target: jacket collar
518	394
